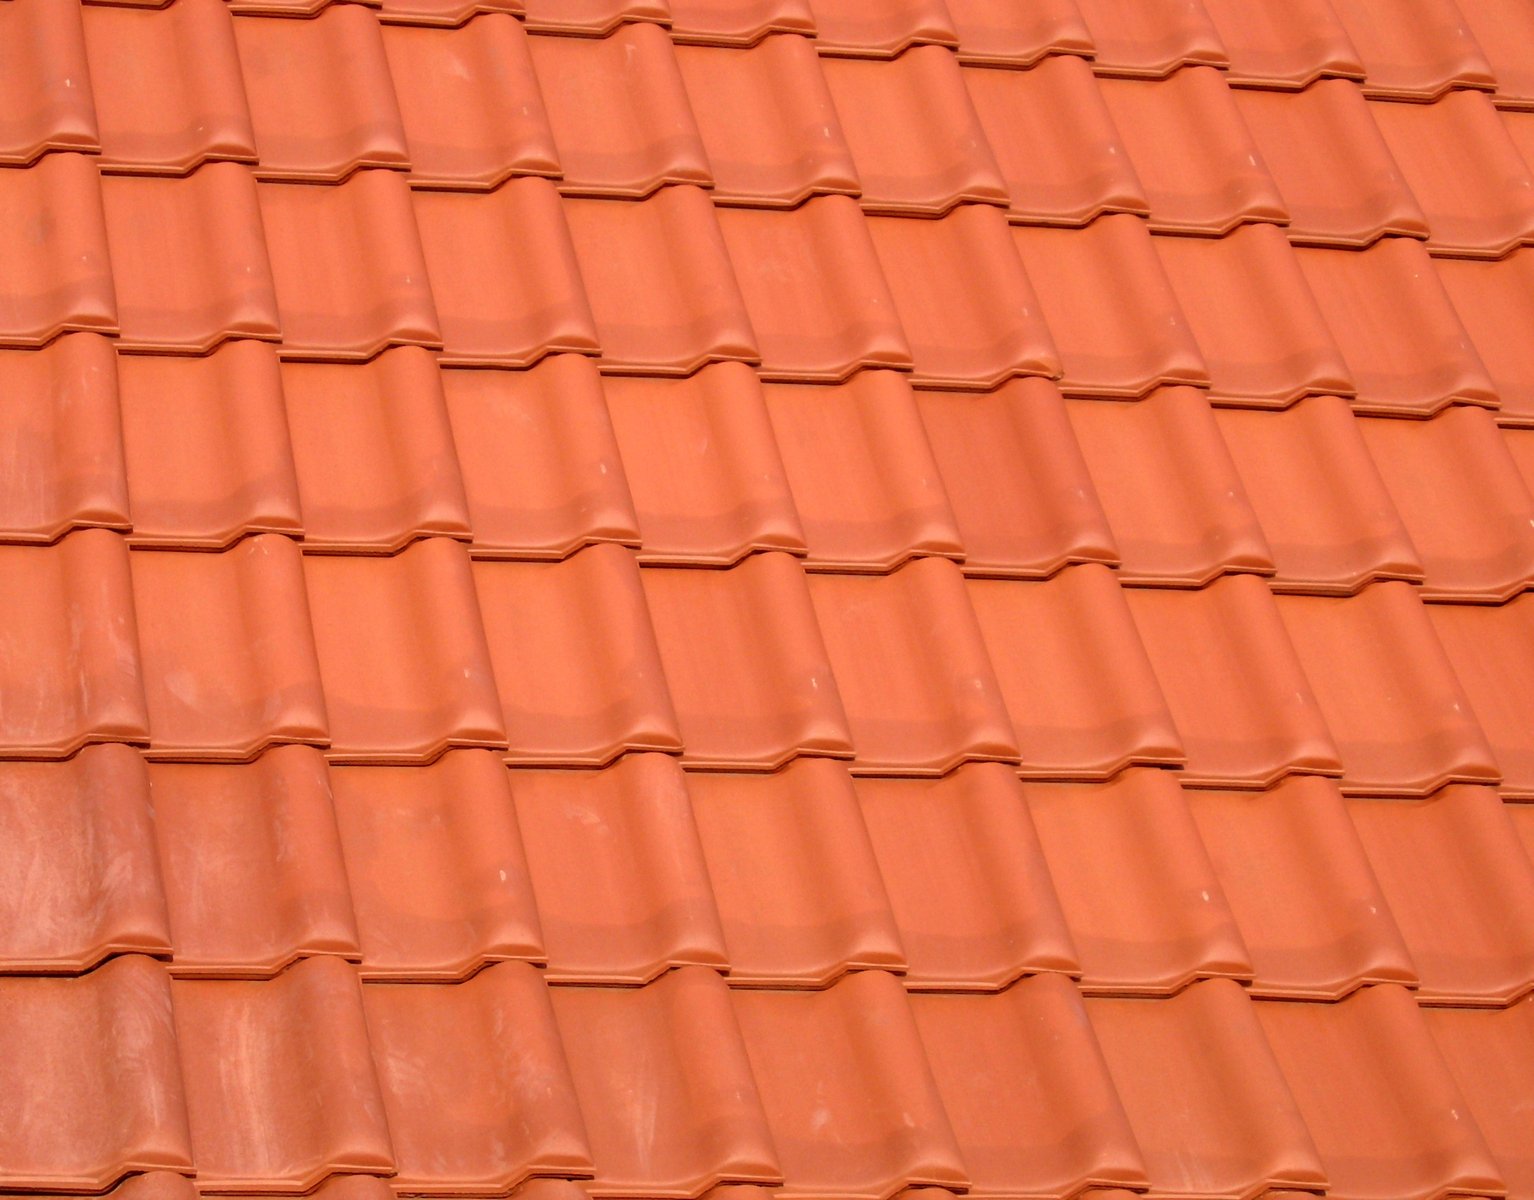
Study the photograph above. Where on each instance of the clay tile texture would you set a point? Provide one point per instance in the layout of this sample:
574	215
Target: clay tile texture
767	599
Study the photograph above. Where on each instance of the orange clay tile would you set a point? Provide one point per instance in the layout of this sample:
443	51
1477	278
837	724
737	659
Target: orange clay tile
1324	510
1253	317
1462	500
373	451
1283	43
1503	29
915	137
90	1087
1487	649
1316	924
1339	1059
1414	49
79	876
1461	888
997	33
1081	692
814	290
963	299
1062	161
619	112
928	700
504	275
703	466
667	1115
1492	299
272	8
857	29
575	659
229	664
47	99
69	659
1110	308
1403	342
435	867
442	1052
434	689
592	18
1465	171
62	435
799	891
974	905
738	22
1024	523
305	1102
206	445
1138	932
539	460
444	13
863	477
1338	178
1150	39
1191	150
475	127
746	665
1242	706
1490	1055
167	87
163	1185
1519	127
659	281
55	276
321	97
349	271
622	888
263	831
767	122
1174	500
1388	692
845	1067
1027	1091
1233	1129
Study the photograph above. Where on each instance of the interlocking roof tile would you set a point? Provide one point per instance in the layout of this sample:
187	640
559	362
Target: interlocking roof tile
995	33
1175	502
592	18
1283	43
1492	299
1414	49
1486	650
857	29
445	13
616	864
864	480
1489	1055
1151	40
62	433
738	22
47	100
1502	29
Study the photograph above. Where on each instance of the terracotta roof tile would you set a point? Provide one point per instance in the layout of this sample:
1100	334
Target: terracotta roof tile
963	299
618	870
1283	43
971	893
444	13
864	480
593	18
1082	694
1175	502
931	700
1376	1042
738	22
78	861
1489	1055
1110	308
1324	510
747	711
440	1053
62	433
1151	40
91	1083
1491	298
275	8
1519	127
434	689
1317	926
435	867
1138	932
1414	50
858	29
556	663
845	1066
1502	29
1234	1129
1388	692
999	34
1486	649
1061	159
47	100
167	87
799	890
206	445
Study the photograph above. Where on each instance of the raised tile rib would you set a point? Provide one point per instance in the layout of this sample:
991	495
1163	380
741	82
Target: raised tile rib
593	18
1283	44
79	878
270	840
443	13
997	33
46	94
1150	39
1490	1055
738	22
62	434
1493	301
800	896
435	866
1415	49
858	29
613	856
90	1082
665	1086
1505	29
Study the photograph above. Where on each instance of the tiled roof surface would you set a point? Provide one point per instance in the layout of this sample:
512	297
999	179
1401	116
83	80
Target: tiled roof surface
827	599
